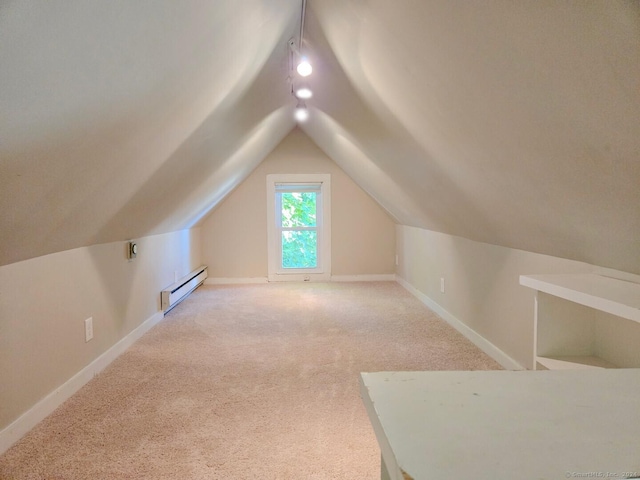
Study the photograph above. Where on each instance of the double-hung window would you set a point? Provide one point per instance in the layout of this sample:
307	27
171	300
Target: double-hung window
299	242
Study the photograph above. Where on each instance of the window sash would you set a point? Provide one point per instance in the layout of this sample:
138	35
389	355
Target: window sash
281	188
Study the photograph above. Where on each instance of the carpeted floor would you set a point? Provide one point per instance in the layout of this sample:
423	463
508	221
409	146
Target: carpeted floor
245	382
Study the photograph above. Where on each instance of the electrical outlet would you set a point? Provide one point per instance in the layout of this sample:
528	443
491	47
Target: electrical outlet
88	329
441	284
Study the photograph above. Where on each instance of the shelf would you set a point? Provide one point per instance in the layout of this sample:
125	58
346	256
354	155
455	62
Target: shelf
582	319
611	295
574	363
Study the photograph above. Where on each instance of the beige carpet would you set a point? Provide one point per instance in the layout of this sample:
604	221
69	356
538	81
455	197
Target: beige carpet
245	382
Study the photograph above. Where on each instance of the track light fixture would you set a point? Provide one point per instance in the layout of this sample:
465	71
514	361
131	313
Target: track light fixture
302	113
302	90
304	68
300	64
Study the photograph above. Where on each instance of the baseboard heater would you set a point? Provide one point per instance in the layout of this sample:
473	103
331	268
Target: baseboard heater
174	294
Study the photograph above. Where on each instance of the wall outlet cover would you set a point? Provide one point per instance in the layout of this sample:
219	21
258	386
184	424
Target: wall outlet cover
88	329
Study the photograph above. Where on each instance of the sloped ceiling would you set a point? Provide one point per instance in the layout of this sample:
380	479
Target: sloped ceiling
120	119
512	123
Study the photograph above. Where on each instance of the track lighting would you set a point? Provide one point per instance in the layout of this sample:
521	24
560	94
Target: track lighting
304	68
299	88
301	114
302	91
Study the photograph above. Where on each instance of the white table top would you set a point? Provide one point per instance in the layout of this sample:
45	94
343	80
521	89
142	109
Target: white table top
506	425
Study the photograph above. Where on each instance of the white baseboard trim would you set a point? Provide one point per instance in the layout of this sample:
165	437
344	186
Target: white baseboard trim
23	424
390	277
234	281
384	277
299	277
478	340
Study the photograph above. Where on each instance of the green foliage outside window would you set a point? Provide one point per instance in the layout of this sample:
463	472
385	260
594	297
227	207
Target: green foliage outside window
299	209
299	247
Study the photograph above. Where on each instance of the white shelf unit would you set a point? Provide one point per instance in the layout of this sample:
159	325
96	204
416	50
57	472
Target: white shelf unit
585	321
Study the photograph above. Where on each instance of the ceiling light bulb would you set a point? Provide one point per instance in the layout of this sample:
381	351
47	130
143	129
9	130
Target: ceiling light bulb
304	67
301	114
304	92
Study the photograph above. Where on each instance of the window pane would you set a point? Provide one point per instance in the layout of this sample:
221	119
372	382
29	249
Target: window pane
299	209
300	249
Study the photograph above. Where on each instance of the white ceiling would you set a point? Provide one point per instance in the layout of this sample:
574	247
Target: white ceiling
507	122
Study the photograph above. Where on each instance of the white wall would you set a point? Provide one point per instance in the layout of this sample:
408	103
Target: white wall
45	300
234	235
482	288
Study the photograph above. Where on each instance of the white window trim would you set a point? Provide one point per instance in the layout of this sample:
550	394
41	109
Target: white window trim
317	187
323	272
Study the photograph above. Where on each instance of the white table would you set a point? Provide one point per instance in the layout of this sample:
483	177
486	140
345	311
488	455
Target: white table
506	425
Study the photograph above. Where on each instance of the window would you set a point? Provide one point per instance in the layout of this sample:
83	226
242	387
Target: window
296	220
299	230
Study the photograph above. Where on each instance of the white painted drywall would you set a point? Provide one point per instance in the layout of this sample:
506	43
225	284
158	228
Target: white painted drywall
482	288
44	302
234	236
509	123
128	119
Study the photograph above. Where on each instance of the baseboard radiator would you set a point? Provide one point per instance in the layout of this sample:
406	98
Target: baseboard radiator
174	294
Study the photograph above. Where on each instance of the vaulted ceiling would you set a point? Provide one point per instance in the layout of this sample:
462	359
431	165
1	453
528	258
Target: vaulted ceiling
506	122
